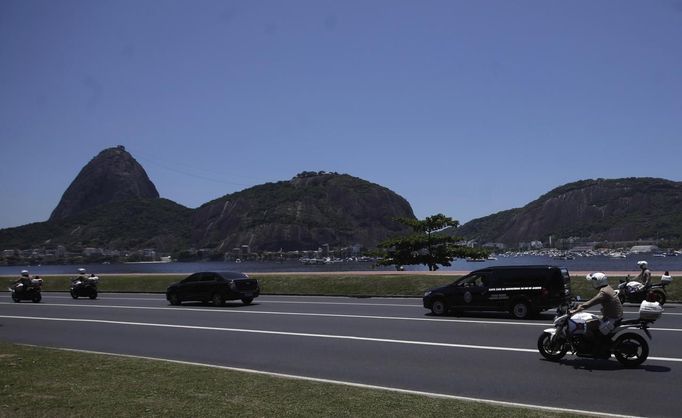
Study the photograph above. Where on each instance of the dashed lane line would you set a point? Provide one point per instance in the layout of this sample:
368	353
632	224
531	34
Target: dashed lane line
349	316
295	334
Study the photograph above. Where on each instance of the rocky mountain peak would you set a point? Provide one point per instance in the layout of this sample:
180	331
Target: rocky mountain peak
112	176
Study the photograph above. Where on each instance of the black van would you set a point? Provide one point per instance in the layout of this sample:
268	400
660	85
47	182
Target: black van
522	290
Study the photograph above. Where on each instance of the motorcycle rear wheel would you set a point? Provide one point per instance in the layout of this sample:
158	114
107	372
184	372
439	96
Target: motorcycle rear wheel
631	349
659	297
551	353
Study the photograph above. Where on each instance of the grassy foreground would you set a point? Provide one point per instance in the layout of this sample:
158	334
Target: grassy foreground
336	284
41	382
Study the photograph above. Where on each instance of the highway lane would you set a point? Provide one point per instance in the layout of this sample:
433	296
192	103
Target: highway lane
379	341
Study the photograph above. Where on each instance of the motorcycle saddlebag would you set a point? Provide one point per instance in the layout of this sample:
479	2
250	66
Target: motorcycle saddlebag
650	311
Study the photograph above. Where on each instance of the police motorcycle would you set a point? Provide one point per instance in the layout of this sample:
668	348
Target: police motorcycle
630	348
84	287
635	292
27	290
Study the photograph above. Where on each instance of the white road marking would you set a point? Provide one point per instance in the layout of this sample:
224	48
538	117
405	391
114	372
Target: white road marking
277	301
295	334
246	312
345	383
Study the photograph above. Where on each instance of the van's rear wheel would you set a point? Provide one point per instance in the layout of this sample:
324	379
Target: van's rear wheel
439	308
521	309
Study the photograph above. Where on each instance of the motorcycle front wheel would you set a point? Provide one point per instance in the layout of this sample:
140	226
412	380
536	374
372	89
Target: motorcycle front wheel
631	349
549	350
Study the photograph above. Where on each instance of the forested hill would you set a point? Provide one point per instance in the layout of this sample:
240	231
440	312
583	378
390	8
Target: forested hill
305	212
626	209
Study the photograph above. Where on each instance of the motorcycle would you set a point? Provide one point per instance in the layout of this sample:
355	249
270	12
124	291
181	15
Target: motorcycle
30	291
635	292
630	348
84	287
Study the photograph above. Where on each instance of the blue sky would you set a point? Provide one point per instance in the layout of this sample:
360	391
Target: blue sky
464	108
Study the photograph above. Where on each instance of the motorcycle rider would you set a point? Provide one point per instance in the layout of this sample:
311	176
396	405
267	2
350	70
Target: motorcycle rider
645	274
80	277
24	280
611	308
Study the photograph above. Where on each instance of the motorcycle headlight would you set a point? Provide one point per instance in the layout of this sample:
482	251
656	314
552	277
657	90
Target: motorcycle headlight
428	292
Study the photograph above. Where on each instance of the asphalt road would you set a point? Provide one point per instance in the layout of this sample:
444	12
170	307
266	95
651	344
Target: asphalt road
386	342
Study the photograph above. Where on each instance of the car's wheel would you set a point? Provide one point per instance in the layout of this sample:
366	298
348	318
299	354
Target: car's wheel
218	299
551	350
631	349
247	301
521	309
439	307
173	299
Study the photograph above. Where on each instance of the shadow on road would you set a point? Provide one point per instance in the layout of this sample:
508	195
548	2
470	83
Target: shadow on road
235	304
612	364
544	316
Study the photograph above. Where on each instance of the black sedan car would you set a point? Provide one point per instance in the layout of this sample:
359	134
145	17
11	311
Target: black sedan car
214	286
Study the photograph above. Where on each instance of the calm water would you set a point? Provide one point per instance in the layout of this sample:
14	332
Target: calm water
626	265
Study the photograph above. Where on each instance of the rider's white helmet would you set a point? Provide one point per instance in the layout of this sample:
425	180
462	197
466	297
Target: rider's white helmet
642	264
24	273
81	271
598	280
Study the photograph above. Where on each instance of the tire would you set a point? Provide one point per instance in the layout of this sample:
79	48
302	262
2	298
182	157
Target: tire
659	297
521	309
173	299
74	294
16	299
218	300
621	297
631	349
439	307
550	353
37	298
93	295
247	301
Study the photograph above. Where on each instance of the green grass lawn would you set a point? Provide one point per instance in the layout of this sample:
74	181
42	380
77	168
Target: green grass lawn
42	382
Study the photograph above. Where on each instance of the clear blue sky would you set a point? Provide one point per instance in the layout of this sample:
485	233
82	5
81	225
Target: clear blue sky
465	108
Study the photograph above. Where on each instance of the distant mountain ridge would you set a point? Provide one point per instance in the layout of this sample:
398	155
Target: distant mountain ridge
625	209
113	204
